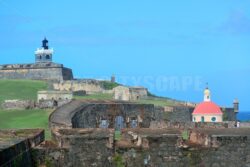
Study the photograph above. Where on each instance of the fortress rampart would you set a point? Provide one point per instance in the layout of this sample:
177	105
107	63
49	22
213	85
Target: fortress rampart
42	69
36	71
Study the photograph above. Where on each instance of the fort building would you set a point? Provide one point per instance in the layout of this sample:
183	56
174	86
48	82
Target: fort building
43	68
54	95
129	93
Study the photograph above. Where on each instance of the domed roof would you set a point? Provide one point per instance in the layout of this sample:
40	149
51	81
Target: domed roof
207	107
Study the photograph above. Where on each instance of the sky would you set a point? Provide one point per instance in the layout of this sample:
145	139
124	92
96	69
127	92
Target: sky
172	47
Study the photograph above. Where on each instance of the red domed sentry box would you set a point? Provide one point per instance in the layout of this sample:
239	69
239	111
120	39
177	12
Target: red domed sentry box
207	111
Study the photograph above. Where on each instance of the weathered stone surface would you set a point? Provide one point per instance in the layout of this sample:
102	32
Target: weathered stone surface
18	104
88	114
15	146
54	95
129	93
43	104
90	147
30	104
37	71
89	86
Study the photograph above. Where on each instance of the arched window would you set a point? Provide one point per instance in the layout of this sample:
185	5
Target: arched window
47	56
40	57
213	119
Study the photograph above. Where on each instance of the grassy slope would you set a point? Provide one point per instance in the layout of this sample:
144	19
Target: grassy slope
22	89
156	101
18	119
96	97
150	100
26	89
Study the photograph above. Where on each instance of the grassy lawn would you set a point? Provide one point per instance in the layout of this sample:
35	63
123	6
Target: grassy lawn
150	100
20	89
27	89
99	96
19	119
156	101
24	90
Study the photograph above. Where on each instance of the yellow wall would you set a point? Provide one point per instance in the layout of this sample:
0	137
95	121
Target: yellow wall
207	118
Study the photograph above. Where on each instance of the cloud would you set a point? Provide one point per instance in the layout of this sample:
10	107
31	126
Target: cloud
237	23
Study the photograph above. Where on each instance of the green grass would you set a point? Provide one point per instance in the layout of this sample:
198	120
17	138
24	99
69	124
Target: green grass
156	101
99	96
20	119
150	100
20	89
27	90
23	90
109	85
118	135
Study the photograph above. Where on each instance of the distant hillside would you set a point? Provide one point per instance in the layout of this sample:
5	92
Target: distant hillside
27	89
20	89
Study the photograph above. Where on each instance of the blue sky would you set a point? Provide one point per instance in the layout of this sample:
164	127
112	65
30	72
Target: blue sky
172	47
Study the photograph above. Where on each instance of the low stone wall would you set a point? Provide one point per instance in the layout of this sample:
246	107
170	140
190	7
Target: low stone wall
184	113
244	125
149	147
29	104
226	149
18	104
190	125
44	104
89	147
15	146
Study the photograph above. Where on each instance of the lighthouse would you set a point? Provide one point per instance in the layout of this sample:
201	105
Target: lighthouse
44	54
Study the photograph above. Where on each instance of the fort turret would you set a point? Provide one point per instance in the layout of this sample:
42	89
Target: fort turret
236	105
44	54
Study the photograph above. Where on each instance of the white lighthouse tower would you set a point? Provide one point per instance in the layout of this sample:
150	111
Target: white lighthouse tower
44	54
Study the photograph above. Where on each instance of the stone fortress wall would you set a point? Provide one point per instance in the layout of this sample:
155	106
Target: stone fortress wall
90	86
42	69
36	71
80	141
16	146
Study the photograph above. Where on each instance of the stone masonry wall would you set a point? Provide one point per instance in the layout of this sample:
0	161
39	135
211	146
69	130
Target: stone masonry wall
15	150
89	86
90	148
229	114
151	147
184	114
89	117
49	73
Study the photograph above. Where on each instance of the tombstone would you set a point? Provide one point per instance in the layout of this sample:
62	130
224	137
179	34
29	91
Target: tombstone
119	123
133	123
104	124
